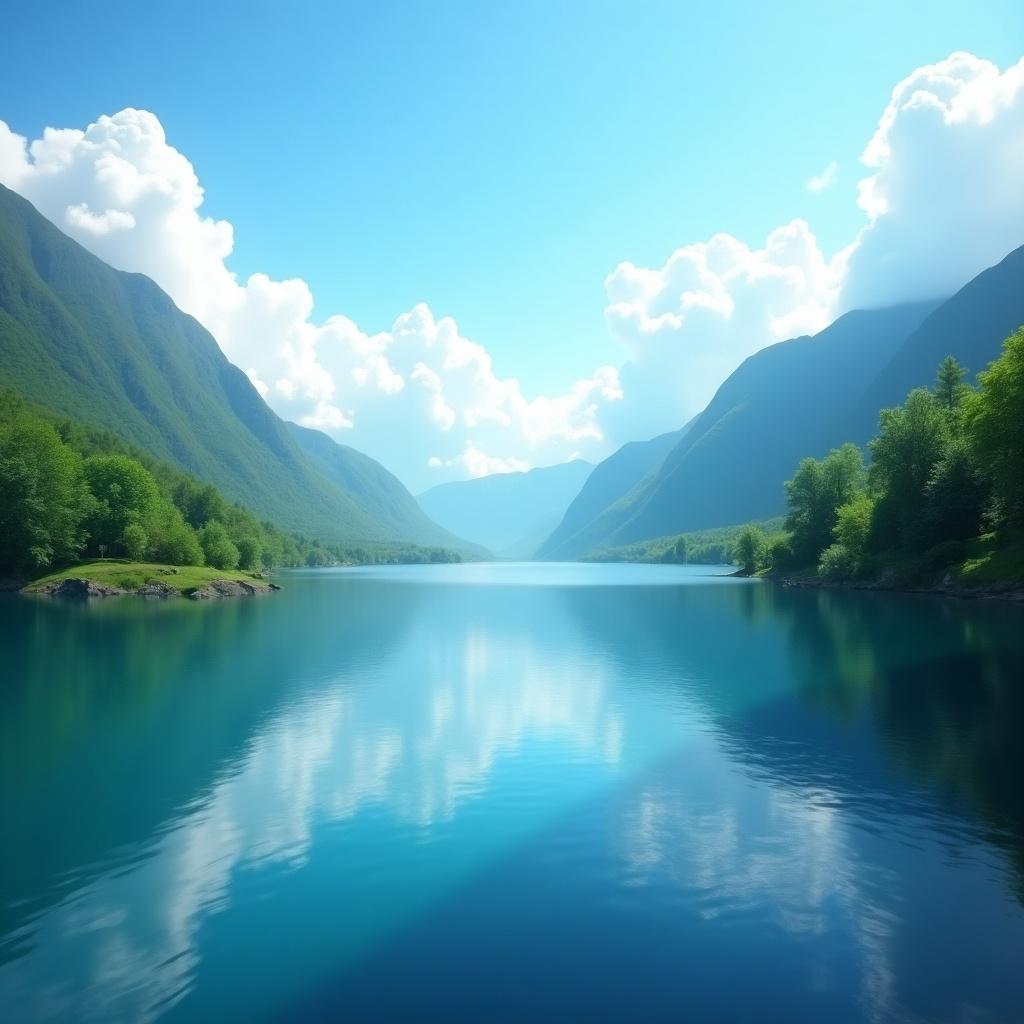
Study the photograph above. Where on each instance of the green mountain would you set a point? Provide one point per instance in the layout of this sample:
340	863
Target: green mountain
509	513
611	479
784	402
379	493
971	326
112	350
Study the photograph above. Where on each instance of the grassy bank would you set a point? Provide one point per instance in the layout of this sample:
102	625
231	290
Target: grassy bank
125	575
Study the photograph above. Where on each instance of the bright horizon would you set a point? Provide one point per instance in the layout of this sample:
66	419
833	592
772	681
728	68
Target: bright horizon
463	245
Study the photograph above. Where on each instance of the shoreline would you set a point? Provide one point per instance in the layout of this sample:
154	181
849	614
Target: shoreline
1008	590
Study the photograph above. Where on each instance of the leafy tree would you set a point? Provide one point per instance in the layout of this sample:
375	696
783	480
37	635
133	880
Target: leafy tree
995	421
125	494
955	495
43	497
681	551
853	529
134	541
836	563
250	553
217	547
817	490
751	549
910	442
199	503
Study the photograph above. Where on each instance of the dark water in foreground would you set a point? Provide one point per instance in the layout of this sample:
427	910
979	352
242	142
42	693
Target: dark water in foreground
534	793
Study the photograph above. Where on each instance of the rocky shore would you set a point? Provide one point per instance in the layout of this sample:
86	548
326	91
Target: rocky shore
1010	590
79	587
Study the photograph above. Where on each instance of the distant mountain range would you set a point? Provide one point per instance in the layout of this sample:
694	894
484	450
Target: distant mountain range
797	398
508	513
112	350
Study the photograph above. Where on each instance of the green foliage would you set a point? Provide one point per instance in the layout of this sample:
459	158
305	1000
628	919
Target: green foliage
66	488
816	492
126	495
134	541
43	496
955	495
950	388
942	465
910	442
250	554
217	547
995	422
836	563
751	549
701	547
853	529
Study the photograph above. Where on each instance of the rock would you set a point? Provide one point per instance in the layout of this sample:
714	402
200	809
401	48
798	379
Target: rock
75	587
157	589
216	589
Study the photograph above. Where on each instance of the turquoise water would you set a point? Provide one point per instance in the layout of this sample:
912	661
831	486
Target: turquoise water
511	793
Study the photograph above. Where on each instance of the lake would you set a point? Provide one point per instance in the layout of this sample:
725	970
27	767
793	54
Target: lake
491	793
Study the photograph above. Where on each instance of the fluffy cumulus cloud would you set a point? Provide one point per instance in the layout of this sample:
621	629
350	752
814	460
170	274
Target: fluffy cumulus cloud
420	395
942	200
945	198
687	324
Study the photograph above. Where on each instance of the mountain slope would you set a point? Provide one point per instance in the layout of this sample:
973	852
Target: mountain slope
509	513
111	349
784	402
378	492
971	326
611	479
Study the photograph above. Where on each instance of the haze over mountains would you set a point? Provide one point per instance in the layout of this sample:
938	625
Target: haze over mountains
508	513
798	398
111	349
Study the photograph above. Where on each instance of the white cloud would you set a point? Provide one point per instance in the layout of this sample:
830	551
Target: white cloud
946	195
416	391
827	178
689	323
943	200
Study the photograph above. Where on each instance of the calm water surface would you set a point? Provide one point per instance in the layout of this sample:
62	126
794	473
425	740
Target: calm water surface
513	793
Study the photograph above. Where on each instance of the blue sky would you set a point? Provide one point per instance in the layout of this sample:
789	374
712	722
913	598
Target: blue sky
495	161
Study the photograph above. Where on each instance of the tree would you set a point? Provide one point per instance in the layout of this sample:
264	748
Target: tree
217	546
751	549
817	490
250	553
853	531
994	416
955	495
680	551
950	388
134	541
43	497
125	494
199	503
910	442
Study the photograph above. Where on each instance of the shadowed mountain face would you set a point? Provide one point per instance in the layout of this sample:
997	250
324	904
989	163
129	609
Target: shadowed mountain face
971	326
799	398
509	513
112	350
784	402
611	480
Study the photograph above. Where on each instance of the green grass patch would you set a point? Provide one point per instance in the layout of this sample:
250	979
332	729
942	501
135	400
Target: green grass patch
114	572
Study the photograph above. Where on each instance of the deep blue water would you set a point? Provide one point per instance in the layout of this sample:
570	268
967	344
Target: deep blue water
513	793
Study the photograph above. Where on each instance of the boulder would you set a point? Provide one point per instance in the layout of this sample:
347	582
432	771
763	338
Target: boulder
75	587
157	589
